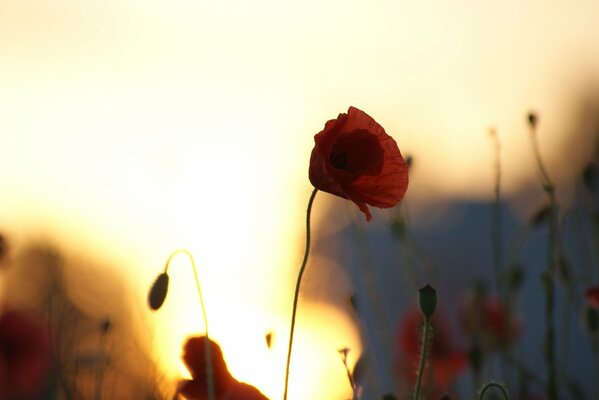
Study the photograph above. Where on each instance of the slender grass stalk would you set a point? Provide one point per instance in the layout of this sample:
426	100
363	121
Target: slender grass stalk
427	330
343	352
496	211
297	288
505	296
548	276
208	353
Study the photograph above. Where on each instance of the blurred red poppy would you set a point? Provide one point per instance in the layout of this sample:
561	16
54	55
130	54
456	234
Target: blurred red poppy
592	295
355	159
485	318
25	357
446	361
225	386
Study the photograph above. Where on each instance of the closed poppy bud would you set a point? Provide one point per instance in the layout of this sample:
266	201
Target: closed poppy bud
354	158
533	119
427	300
158	291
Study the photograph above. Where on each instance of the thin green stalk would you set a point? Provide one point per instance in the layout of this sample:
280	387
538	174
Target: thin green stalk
207	347
297	288
423	355
496	212
565	335
549	274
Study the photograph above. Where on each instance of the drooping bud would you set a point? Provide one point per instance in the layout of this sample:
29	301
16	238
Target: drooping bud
533	119
268	338
158	291
427	300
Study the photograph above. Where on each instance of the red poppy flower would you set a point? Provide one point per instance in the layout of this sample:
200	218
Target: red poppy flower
225	386
592	295
25	357
485	317
445	361
355	159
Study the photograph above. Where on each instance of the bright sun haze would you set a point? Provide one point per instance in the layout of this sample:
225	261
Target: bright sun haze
131	129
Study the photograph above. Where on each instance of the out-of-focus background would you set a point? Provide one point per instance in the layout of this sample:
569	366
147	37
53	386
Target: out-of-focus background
130	129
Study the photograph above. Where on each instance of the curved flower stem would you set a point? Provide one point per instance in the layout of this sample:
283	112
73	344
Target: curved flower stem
297	287
208	358
425	345
495	385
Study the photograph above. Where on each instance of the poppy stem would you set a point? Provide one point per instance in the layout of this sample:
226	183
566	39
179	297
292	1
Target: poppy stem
425	344
553	252
297	287
208	357
495	385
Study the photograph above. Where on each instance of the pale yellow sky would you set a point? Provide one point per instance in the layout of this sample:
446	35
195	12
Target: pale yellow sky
138	127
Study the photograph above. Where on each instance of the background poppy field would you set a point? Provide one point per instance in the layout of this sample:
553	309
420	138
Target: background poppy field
132	129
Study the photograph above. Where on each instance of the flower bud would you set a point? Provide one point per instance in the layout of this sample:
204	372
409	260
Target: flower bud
533	119
427	300
158	291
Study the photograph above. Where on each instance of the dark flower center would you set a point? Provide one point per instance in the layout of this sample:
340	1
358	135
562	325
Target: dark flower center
357	152
338	160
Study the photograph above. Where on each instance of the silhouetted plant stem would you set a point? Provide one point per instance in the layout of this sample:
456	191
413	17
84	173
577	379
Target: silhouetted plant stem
423	355
297	288
343	352
207	349
496	211
493	385
399	229
505	296
548	277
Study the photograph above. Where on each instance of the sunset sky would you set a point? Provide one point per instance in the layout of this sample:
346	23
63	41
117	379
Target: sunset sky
132	128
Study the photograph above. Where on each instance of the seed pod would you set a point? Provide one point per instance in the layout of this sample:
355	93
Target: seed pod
427	300
158	291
